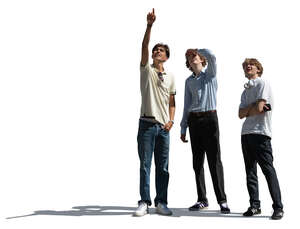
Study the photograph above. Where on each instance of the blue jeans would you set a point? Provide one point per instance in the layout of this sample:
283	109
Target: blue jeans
153	138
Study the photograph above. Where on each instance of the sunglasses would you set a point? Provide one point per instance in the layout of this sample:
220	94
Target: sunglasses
160	76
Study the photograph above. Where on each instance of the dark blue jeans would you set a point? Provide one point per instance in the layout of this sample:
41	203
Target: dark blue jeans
152	138
257	149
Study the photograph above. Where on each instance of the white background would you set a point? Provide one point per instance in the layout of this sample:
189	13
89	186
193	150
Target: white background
70	101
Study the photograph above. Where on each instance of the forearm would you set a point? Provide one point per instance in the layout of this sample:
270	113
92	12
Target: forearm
171	112
145	52
170	123
211	62
147	34
251	110
243	112
187	104
254	110
145	44
172	108
184	120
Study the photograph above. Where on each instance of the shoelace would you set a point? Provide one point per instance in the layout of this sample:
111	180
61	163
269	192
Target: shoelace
201	204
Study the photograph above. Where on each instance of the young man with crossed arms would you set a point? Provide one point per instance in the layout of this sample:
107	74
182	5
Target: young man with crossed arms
256	106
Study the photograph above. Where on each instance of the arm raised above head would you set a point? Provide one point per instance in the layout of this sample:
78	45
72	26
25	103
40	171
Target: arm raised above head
211	69
145	45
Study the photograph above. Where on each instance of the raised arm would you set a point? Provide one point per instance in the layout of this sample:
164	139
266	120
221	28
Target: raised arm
211	69
145	46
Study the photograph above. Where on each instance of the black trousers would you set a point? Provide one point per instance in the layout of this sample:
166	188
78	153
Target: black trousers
257	149
204	134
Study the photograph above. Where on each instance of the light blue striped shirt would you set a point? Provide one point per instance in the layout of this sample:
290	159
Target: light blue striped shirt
200	91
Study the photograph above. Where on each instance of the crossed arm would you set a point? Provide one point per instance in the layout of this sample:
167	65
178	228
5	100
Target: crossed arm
253	109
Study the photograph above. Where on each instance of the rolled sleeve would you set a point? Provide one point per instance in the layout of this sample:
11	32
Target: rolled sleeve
211	69
172	88
263	91
243	101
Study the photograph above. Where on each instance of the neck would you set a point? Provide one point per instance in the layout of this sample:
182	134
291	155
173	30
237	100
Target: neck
252	77
159	66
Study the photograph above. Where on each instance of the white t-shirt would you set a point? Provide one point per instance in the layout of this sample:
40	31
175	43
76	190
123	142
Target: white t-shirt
257	124
156	94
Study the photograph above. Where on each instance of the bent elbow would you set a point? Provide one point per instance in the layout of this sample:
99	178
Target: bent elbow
241	116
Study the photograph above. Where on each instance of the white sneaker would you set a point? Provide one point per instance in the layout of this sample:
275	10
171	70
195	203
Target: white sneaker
141	210
162	209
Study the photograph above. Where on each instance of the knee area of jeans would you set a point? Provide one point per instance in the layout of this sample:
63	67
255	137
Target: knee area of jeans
162	169
145	169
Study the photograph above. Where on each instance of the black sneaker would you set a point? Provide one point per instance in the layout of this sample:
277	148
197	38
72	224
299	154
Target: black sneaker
277	214
224	208
198	206
252	211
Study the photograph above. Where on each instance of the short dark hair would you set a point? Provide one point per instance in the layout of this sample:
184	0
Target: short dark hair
254	62
194	52
165	46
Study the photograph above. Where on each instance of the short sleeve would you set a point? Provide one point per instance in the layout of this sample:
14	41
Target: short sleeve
172	88
263	91
243	103
145	68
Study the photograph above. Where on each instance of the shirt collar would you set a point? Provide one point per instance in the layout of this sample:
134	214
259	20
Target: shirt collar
196	76
156	70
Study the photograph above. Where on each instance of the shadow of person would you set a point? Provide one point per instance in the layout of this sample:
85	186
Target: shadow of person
178	212
97	210
84	211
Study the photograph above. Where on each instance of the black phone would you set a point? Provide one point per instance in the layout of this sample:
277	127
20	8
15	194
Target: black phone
267	107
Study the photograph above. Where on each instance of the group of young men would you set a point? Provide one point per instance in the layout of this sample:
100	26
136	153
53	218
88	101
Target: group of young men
200	117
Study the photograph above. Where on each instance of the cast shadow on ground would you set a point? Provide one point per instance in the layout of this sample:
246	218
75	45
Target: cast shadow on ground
96	210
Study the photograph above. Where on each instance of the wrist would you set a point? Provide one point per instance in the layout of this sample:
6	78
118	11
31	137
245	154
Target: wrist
172	121
149	25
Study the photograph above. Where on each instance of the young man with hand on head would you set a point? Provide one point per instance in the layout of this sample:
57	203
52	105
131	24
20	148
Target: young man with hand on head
156	120
201	118
256	106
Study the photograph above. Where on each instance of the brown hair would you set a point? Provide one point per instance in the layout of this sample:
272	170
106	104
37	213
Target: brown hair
194	52
255	62
165	46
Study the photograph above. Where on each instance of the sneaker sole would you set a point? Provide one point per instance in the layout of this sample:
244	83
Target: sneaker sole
160	213
258	213
139	215
196	210
225	212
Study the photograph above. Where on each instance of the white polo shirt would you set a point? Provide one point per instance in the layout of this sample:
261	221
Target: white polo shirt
156	94
257	124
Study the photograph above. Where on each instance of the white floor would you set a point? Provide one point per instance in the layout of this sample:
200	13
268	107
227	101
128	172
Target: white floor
70	102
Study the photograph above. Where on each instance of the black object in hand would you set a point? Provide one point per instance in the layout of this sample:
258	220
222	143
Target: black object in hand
267	107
